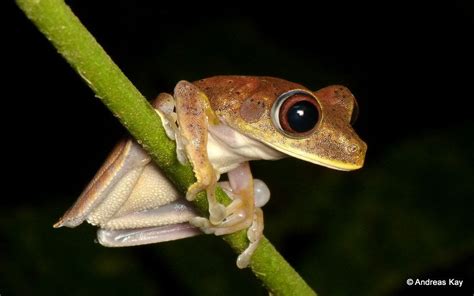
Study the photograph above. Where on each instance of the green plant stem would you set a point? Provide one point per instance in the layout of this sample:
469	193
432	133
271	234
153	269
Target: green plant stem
64	30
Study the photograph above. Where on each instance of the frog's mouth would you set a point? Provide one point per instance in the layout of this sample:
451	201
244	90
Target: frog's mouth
336	165
332	163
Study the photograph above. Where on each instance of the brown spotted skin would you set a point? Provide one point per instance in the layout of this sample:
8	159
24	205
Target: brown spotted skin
245	102
228	93
191	108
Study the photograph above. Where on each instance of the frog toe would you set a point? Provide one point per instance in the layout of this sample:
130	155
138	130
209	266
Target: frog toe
203	224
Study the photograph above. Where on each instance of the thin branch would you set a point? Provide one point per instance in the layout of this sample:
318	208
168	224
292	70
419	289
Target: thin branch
64	30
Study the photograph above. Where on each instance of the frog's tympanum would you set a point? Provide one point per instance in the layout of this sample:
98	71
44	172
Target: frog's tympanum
219	124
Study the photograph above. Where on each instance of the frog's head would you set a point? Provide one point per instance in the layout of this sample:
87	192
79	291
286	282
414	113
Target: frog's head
312	126
318	127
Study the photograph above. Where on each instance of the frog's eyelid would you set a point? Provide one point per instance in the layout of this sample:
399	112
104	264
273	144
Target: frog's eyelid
355	112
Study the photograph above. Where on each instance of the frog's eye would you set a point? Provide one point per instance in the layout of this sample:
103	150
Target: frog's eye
296	113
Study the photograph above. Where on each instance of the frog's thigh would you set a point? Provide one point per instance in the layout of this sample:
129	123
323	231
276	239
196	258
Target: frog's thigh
193	110
111	186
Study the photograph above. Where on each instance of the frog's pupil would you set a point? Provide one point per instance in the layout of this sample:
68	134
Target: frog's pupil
302	116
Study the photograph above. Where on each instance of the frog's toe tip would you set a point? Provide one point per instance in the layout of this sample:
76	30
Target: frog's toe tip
202	223
243	260
58	224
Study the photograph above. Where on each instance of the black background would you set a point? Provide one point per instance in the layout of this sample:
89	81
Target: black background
406	214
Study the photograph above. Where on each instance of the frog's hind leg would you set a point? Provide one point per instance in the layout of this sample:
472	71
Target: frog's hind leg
110	187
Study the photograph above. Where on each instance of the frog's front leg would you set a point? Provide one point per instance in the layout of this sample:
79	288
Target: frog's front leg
193	116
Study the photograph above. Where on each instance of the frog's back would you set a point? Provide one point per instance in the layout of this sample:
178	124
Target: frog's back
227	93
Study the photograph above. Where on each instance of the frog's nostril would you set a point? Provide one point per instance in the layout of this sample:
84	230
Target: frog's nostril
352	148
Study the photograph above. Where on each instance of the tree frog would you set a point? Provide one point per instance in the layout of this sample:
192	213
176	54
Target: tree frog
219	125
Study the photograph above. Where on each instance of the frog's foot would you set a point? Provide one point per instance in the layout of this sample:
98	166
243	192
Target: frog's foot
254	233
224	220
239	219
217	211
220	223
236	216
244	212
236	212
